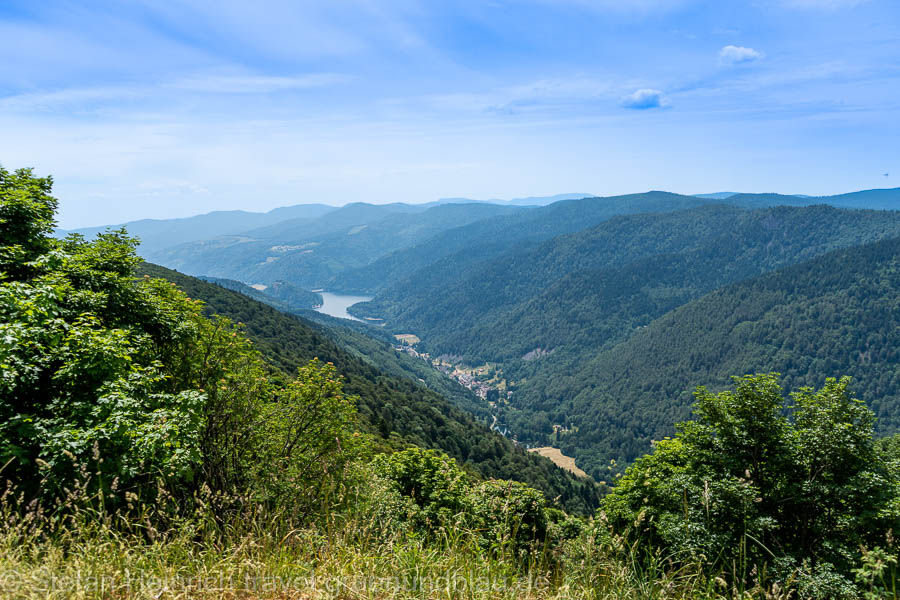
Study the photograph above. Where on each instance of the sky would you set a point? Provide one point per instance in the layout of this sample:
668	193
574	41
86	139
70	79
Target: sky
157	109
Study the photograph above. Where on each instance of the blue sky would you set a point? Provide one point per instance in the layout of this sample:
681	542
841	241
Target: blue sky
159	108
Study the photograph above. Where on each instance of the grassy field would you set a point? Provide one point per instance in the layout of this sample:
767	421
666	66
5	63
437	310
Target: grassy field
560	459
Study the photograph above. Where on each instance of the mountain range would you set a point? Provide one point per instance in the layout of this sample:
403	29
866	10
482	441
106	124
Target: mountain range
589	320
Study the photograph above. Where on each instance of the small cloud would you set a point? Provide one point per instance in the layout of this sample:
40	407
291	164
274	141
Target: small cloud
735	55
644	99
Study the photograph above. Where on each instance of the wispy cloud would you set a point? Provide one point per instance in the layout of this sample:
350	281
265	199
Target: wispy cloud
734	55
256	84
642	7
352	99
645	99
823	4
539	95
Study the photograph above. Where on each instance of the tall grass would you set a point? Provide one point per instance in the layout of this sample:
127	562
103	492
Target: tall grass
81	550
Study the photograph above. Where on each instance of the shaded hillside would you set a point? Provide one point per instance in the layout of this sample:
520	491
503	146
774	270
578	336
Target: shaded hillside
454	251
295	297
399	410
884	199
309	253
301	299
578	293
156	234
836	314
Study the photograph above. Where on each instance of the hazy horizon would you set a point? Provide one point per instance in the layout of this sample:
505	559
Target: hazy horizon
453	200
172	109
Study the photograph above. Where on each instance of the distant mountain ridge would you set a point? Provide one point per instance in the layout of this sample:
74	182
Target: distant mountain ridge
309	253
156	234
233	244
527	201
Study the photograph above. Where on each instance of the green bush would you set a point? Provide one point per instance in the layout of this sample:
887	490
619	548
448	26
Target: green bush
123	386
504	517
508	514
748	489
431	479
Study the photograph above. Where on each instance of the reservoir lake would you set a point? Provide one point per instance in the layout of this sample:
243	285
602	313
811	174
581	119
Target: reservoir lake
336	305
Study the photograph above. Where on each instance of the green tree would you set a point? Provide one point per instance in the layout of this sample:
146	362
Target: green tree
747	486
124	382
27	213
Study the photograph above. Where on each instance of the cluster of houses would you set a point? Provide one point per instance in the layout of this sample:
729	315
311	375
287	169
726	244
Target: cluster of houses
481	389
467	380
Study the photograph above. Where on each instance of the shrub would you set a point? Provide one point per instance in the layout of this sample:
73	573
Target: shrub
508	514
744	484
129	378
431	479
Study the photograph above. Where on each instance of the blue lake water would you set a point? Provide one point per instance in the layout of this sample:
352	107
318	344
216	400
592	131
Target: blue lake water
336	305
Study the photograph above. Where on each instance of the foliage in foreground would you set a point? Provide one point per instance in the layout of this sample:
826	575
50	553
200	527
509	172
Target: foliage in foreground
149	454
353	552
748	489
130	377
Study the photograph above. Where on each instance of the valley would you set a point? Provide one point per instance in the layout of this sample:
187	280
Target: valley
528	308
304	300
556	358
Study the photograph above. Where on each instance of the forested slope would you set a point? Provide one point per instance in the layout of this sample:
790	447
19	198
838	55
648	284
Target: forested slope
454	251
308	253
580	292
839	313
398	409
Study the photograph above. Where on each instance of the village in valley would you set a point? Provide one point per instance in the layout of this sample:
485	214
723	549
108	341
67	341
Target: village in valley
487	382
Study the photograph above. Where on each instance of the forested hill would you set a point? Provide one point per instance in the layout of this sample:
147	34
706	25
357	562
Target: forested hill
397	409
837	314
455	250
308	253
580	292
157	234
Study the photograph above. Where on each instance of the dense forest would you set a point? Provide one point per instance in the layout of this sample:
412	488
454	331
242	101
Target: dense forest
399	410
552	315
161	428
581	291
837	313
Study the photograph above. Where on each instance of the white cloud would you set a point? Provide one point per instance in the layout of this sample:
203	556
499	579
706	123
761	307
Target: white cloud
734	55
645	99
253	84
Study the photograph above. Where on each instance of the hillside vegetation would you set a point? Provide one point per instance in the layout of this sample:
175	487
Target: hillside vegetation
396	408
562	320
837	313
150	449
309	253
584	290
